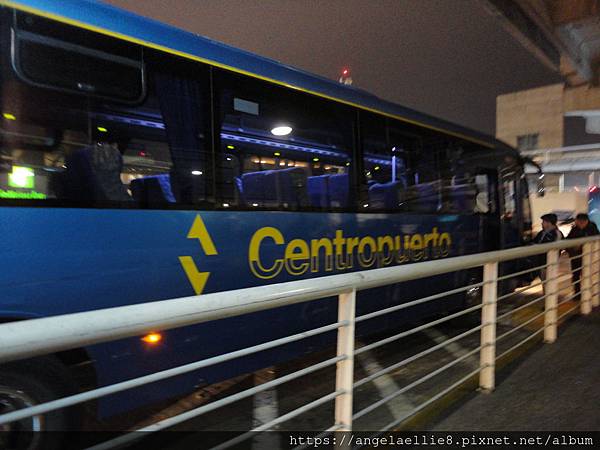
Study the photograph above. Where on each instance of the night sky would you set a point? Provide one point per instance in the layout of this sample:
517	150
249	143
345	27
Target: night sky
448	58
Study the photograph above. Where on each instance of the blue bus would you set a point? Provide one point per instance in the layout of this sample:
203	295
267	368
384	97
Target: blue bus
139	162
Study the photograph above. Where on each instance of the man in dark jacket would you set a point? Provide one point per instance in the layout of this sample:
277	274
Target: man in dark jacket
549	233
582	228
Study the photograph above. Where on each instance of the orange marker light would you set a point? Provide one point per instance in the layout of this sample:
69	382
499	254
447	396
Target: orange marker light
152	338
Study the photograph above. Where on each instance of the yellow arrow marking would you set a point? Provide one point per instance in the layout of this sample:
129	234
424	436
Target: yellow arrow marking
199	231
197	279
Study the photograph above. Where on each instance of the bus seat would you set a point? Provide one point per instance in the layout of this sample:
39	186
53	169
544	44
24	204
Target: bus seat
425	198
462	197
318	191
270	186
339	190
94	173
229	191
292	187
252	188
260	188
239	189
153	190
386	195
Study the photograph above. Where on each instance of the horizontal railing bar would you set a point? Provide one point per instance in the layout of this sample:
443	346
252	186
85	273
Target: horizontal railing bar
146	379
296	412
569	311
24	339
572	258
560	278
416	302
415	330
171	421
415	383
569	298
519	308
517	292
582	289
522	272
514	347
413	358
523	325
573	283
431	400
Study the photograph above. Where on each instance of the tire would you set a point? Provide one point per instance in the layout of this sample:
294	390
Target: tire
28	383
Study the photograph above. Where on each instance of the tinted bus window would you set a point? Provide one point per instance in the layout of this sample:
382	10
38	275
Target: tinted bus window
421	152
386	159
400	166
76	149
47	53
411	169
280	149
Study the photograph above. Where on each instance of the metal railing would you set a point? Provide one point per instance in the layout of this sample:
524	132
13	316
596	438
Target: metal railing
30	338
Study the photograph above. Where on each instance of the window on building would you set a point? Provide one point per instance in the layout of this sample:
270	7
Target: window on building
528	141
577	181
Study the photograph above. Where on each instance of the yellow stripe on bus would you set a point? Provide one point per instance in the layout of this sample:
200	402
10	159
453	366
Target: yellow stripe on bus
124	37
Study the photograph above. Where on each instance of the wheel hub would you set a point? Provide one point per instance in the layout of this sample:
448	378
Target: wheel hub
21	434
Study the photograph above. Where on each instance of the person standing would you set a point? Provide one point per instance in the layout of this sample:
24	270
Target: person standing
583	227
549	233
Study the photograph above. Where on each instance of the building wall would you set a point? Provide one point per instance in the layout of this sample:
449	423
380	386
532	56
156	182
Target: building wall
534	111
582	98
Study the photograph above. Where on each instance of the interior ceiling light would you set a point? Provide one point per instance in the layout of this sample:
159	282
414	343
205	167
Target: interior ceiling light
281	130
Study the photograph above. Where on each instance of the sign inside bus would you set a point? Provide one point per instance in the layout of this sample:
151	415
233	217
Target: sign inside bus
277	251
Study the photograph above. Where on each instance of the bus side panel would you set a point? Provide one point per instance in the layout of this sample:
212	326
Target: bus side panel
58	261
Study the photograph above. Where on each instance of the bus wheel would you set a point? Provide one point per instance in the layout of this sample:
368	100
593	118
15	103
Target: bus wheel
28	383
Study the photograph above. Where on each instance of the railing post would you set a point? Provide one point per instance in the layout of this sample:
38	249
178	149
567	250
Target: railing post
488	331
551	302
345	368
595	274
586	281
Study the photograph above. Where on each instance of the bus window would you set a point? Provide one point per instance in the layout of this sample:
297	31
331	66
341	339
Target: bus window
483	203
281	150
467	187
385	170
509	193
46	53
62	147
423	175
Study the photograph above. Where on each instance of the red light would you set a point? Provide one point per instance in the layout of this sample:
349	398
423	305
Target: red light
345	72
594	188
142	153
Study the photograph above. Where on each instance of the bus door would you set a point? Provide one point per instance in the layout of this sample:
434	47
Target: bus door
515	225
510	229
486	207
